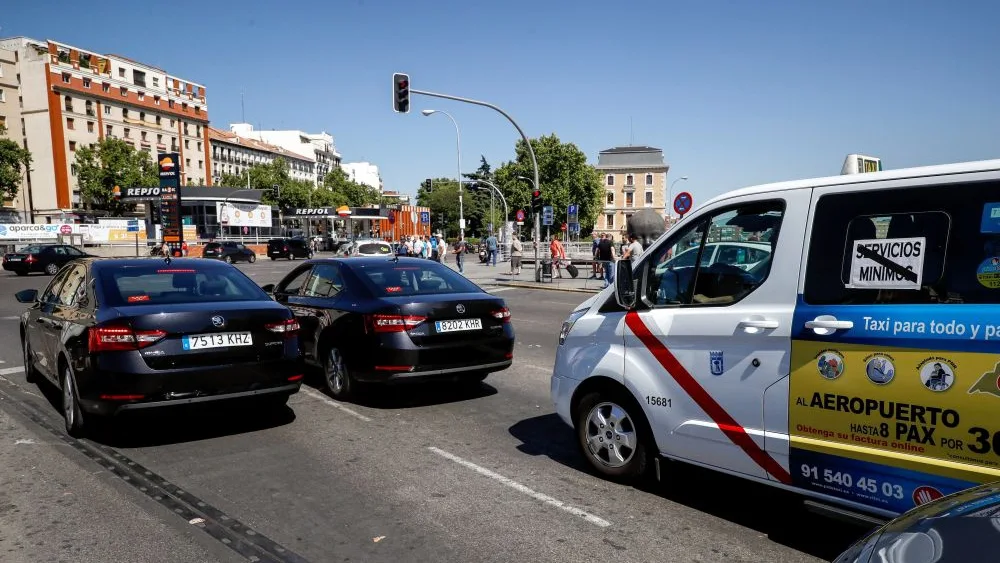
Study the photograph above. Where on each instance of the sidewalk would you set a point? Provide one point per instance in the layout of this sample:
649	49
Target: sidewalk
499	275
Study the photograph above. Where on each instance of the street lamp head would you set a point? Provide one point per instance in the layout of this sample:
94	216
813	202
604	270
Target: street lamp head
684	177
429	111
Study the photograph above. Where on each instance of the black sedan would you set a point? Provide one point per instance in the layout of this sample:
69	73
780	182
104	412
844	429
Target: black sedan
961	527
229	251
388	320
46	258
128	334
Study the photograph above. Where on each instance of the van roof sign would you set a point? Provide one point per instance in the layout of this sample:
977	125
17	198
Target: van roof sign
861	164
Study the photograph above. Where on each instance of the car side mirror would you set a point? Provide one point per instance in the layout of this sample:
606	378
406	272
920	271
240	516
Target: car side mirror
624	284
27	296
269	288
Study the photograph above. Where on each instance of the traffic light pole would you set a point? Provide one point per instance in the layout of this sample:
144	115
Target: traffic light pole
531	151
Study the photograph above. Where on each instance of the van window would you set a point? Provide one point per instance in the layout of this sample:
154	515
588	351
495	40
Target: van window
718	260
918	245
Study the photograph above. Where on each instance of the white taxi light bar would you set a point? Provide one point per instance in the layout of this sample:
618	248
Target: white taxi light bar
860	164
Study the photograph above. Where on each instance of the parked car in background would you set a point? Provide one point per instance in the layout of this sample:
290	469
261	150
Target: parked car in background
139	333
290	248
393	320
47	258
229	251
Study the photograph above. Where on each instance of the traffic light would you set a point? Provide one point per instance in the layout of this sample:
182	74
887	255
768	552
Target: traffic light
401	93
428	184
536	201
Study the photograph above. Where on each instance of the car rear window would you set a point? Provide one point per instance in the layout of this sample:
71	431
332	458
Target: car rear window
33	249
392	278
213	246
276	242
162	284
374	248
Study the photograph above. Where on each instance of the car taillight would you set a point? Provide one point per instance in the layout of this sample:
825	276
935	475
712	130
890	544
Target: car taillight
287	327
502	314
392	323
30	258
120	338
286	249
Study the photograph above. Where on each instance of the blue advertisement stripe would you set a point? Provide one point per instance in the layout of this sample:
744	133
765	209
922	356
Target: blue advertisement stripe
938	327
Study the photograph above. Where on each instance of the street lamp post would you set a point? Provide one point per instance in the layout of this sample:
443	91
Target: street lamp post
668	203
506	211
458	145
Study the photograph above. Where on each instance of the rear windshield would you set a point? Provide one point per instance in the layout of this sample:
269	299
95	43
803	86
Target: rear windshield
33	249
374	248
391	279
213	246
276	242
160	284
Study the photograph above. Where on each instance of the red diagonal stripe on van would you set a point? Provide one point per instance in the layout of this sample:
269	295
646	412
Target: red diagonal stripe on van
726	423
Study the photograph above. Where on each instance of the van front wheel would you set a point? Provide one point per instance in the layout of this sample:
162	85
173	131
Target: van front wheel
612	435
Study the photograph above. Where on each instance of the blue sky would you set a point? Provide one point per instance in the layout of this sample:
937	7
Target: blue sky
736	93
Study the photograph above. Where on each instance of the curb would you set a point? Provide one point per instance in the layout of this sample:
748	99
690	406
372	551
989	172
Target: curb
540	286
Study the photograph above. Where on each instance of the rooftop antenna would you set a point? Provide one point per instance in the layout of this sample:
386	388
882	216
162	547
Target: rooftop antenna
243	107
631	133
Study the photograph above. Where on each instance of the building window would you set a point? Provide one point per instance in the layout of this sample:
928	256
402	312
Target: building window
172	123
65	77
170	104
187	163
649	199
142	116
139	78
68	103
649	179
186	132
106	88
629	180
128	133
142	135
89	107
156	100
611	180
70	123
609	221
629	200
184	106
107	110
141	95
197	130
121	73
173	143
86	83
201	163
72	169
611	198
159	139
124	91
72	146
3	121
156	82
197	109
109	131
125	113
157	120
199	146
3	96
187	144
90	127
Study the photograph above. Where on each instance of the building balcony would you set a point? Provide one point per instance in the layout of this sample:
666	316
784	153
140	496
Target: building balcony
628	188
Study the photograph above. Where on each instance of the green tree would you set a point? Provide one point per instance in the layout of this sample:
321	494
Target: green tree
110	163
14	161
564	177
442	197
353	193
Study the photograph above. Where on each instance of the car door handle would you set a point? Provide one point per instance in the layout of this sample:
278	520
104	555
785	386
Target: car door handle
759	323
829	324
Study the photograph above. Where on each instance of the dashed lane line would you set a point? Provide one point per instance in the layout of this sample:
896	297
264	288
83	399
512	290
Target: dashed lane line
522	488
9	371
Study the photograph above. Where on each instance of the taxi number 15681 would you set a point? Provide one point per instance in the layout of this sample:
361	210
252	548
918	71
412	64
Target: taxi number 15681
658	401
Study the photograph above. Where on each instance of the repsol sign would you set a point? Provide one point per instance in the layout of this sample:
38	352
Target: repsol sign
138	193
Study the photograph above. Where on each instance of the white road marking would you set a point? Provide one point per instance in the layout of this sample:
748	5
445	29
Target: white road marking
493	290
519	487
533	366
317	395
10	318
8	371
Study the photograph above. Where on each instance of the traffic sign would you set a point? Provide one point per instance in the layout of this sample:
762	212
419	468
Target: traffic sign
66	229
547	215
133	226
425	217
563	226
682	203
572	212
520	215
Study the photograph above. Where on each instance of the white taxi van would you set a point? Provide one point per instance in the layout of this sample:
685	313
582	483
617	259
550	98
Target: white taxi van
858	363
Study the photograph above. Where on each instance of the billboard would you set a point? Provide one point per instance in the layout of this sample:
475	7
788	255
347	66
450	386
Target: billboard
243	214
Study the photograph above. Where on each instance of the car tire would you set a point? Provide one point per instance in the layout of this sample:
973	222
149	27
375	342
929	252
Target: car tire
72	413
51	268
338	380
252	258
613	435
30	373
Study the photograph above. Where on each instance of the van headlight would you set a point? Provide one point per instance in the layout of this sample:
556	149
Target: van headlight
567	325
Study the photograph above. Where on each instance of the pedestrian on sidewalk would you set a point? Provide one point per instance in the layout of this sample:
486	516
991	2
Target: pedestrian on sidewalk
516	251
595	268
434	249
606	254
558	254
633	251
491	249
460	249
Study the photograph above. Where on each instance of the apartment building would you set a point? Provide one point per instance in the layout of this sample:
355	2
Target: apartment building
363	173
10	121
232	154
317	147
634	178
70	98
